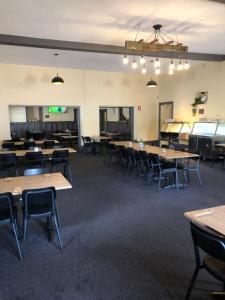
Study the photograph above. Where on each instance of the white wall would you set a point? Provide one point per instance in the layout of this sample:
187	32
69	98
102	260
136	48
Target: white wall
30	85
183	86
68	116
17	114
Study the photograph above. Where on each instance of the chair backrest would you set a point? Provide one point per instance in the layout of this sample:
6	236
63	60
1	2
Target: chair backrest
15	139
48	144
34	155
35	171
154	160
6	200
165	146
86	139
28	144
143	155
44	197
110	146
63	154
8	158
8	145
209	242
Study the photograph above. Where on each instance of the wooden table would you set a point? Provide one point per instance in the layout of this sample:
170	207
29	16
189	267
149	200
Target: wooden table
60	134
220	145
111	134
213	217
68	137
16	185
162	152
44	151
100	138
21	143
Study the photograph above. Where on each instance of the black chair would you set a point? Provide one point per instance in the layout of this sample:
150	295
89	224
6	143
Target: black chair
122	156
134	160
40	203
36	171
8	215
165	146
61	157
111	153
15	139
144	165
190	165
34	159
88	145
8	161
166	172
8	146
214	262
48	144
29	145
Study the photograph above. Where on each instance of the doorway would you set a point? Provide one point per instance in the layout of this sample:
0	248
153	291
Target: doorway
117	120
165	112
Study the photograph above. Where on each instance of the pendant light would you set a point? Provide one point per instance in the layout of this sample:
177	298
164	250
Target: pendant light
57	79
152	83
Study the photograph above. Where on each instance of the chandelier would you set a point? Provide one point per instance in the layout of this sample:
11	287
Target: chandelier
157	42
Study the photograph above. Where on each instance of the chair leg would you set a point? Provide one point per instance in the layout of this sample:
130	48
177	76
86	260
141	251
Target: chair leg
16	172
17	241
177	182
18	231
159	182
25	221
191	283
68	168
58	233
199	177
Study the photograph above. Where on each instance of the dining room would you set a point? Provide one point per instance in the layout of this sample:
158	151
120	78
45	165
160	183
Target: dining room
112	150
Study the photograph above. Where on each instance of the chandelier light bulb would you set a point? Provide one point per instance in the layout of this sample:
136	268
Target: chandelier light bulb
171	66
157	71
142	60
171	72
157	63
143	70
180	66
125	60
134	64
186	65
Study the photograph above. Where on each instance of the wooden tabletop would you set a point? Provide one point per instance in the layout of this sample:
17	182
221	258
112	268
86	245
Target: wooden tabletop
21	143
100	137
68	136
61	134
213	217
220	145
44	151
162	152
16	185
112	133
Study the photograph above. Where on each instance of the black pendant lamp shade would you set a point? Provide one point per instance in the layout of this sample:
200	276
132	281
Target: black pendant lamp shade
57	80
151	84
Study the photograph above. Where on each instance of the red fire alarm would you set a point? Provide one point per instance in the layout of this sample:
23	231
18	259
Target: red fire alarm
139	107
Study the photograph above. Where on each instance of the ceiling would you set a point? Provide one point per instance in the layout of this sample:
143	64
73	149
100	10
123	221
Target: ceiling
73	59
198	23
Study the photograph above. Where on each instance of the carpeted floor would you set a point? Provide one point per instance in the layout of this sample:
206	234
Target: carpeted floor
122	240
